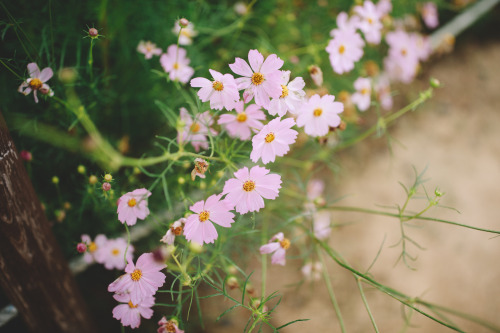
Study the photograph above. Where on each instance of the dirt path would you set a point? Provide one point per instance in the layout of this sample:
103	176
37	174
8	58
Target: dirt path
457	136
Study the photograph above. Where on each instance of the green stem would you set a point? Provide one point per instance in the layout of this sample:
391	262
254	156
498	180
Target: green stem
328	283
362	293
263	257
387	120
408	217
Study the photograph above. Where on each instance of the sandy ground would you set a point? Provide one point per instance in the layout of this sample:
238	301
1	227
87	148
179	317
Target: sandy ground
456	136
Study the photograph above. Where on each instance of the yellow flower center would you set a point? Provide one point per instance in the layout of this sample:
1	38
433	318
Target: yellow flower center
257	78
204	215
404	52
115	252
317	112
341	49
285	244
132	202
284	91
195	127
370	20
176	65
217	85
92	247
136	275
176	231
249	186
131	305
35	84
365	91
269	137
241	117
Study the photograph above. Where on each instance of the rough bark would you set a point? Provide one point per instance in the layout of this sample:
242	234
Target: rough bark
34	274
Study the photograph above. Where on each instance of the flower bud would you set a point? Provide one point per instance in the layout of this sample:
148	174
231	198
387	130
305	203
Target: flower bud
434	83
55	180
68	75
93	32
81	247
81	169
181	180
67	206
60	215
108	177
106	187
183	23
92	180
195	247
26	155
232	282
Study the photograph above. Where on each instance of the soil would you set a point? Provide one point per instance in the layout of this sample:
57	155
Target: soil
455	136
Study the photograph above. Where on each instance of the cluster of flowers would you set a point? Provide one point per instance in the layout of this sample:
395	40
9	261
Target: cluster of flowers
406	50
174	61
109	252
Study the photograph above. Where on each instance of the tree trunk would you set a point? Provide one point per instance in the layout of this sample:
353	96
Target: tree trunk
34	273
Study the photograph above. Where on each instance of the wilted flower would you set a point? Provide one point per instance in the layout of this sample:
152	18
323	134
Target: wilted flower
199	226
277	244
249	187
26	155
148	49
273	140
319	114
175	229
168	326
200	167
244	122
316	75
36	81
176	64
133	206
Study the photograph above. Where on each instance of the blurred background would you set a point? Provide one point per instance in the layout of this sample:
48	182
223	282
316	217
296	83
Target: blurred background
454	135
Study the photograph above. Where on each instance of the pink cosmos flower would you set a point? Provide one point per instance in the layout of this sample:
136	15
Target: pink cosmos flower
321	224
141	280
422	46
248	188
362	96
319	114
113	253
384	7
199	226
187	33
244	122
195	130
175	230
262	79
133	206
312	270
273	140
383	91
402	61
36	82
130	313
292	95
430	15
176	64
94	248
345	49
168	326
370	23
277	244
346	24
315	188
148	49
222	92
